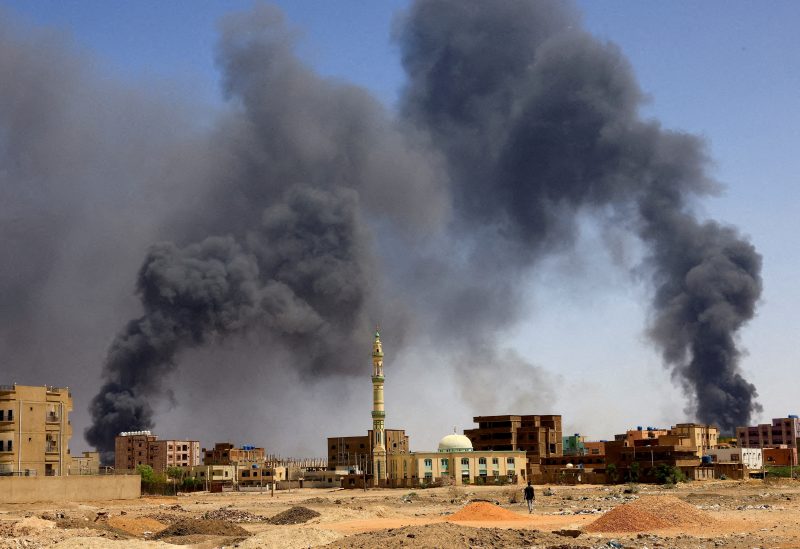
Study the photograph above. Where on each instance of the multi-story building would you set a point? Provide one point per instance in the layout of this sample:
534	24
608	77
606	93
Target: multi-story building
143	448
35	430
784	431
350	452
701	437
537	435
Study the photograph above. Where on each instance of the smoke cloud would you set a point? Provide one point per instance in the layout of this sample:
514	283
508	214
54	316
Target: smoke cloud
539	122
308	210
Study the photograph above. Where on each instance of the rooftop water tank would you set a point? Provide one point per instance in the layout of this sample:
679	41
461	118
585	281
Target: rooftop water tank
792	416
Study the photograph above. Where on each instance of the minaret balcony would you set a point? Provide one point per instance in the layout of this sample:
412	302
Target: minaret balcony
376	379
378	414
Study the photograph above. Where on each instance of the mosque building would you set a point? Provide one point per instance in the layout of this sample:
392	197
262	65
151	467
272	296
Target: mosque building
389	462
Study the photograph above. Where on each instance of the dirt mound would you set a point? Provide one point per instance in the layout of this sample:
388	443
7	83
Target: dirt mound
31	526
232	515
188	527
481	510
650	513
295	515
136	526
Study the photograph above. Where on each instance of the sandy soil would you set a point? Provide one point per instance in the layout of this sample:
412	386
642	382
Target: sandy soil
741	515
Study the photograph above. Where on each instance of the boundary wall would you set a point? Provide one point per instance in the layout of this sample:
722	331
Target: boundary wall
69	488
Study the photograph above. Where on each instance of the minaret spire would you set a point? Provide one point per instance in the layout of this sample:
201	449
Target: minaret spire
378	412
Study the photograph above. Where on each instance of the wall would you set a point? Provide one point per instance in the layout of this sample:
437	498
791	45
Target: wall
69	488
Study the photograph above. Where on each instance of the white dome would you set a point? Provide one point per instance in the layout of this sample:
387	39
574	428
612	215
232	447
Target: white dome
455	443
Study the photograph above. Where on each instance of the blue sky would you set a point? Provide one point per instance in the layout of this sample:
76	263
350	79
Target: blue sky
728	71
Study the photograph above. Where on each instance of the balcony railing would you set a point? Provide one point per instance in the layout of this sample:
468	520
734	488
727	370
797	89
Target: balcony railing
51	448
53	418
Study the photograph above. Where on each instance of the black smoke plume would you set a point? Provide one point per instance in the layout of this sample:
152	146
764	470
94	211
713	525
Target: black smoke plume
539	122
309	210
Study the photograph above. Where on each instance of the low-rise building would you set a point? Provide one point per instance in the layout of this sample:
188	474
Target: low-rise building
87	464
456	462
34	430
780	457
225	453
751	458
641	433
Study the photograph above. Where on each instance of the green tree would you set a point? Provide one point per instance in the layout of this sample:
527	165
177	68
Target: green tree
633	472
146	472
175	473
668	474
611	472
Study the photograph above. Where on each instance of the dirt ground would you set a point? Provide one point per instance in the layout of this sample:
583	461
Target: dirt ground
710	514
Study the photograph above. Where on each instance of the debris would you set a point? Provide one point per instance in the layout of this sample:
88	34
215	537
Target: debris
294	515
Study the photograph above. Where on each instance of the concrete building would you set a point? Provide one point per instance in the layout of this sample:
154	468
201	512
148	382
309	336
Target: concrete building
537	435
224	453
34	430
573	445
782	456
751	458
456	462
595	447
784	431
701	437
135	448
87	464
353	452
641	433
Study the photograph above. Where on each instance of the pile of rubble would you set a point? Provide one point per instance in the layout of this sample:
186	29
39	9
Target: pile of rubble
232	515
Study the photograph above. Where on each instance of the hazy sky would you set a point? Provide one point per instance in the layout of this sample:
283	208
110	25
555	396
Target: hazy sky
727	71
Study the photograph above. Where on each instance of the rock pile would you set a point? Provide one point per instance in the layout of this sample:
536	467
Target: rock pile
232	515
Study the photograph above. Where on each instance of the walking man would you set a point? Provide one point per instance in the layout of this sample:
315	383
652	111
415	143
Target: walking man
529	496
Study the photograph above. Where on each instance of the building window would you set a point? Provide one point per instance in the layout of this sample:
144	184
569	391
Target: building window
481	461
464	461
495	461
444	463
11	415
428	463
2	415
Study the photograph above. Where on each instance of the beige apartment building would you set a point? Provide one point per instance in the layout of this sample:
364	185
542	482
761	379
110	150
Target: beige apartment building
135	448
34	430
701	437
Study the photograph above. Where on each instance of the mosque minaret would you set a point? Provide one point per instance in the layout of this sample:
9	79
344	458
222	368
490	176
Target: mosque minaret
378	413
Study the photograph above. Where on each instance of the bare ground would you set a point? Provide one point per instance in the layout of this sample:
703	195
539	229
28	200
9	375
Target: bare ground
730	514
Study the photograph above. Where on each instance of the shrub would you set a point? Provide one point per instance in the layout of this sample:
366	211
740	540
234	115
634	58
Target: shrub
548	492
631	489
668	474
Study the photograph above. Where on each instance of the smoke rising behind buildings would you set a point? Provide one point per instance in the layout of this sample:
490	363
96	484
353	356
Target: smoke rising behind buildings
276	222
